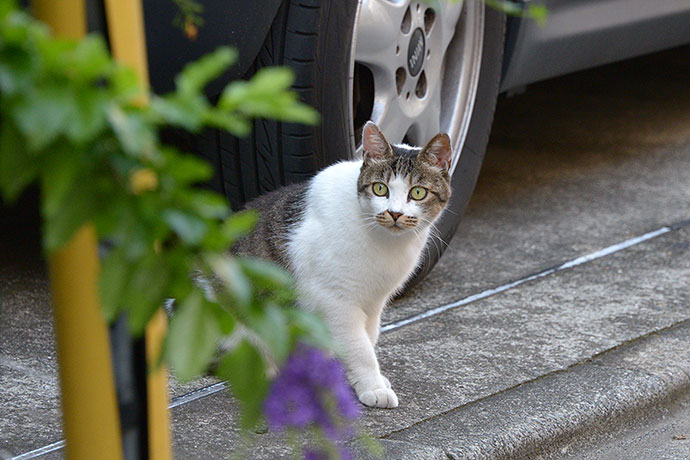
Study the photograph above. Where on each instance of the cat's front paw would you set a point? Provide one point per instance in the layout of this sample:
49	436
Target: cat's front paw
379	397
386	381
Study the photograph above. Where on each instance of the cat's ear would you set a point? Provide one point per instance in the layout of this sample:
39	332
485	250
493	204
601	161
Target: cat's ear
374	144
438	151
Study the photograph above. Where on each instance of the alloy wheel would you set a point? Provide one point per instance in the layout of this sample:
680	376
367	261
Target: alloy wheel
414	68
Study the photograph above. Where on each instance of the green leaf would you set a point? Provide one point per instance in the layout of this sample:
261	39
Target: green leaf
208	205
114	277
186	112
186	169
17	168
297	113
267	95
239	224
234	94
266	274
89	60
222	237
228	271
224	319
58	177
538	12
146	290
124	85
243	367
196	75
309	328
130	231
16	70
7	7
193	337
236	123
271	324
78	206
132	132
43	114
188	227
89	116
270	79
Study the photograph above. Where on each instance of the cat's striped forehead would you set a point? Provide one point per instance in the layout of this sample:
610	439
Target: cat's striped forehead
404	163
404	160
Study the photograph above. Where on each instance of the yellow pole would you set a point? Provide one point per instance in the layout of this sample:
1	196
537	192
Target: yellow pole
160	442
127	37
66	18
89	406
128	45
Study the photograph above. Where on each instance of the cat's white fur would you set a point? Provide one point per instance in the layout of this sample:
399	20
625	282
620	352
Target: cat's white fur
348	267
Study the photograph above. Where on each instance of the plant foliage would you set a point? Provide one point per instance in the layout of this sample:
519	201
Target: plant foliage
536	11
71	120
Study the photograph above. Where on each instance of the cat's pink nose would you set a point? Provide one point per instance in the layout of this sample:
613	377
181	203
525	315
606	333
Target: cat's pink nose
395	215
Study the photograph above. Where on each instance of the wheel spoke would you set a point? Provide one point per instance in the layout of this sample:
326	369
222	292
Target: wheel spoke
394	123
448	17
378	30
427	124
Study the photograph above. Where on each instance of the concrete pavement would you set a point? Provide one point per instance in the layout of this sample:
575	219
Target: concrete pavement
585	362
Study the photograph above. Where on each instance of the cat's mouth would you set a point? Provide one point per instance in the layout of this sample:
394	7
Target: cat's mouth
399	227
394	227
398	224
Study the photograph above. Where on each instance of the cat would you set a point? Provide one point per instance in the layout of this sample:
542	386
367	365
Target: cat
352	236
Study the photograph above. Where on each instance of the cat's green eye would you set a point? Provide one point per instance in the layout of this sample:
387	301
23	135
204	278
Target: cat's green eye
380	189
418	193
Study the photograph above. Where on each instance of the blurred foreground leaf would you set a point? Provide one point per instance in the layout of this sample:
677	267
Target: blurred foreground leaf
243	367
536	11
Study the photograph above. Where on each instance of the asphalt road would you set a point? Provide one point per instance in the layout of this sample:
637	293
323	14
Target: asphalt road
576	165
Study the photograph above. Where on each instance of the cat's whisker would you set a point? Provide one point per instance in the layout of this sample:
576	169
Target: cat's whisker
420	237
435	243
435	234
433	229
367	223
436	237
426	246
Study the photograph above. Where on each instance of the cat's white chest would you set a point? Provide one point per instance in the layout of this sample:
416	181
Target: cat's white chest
353	268
337	250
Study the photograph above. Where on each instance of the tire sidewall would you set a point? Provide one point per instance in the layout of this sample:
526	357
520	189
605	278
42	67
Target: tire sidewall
325	84
336	85
469	164
330	76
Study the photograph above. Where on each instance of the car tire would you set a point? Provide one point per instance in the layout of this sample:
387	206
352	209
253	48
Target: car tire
467	170
315	39
310	37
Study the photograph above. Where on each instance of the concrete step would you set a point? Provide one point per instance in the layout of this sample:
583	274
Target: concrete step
574	413
517	373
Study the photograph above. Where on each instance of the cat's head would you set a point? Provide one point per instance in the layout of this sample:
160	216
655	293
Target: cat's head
403	188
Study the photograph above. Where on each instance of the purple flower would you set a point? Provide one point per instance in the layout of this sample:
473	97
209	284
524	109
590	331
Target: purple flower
310	454
311	390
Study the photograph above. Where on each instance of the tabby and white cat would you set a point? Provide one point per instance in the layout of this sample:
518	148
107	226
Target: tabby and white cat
352	236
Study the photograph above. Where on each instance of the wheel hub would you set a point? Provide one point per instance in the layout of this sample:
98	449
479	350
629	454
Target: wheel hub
415	68
415	52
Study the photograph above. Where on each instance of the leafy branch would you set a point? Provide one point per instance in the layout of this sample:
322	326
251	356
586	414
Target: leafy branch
72	122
